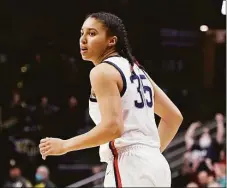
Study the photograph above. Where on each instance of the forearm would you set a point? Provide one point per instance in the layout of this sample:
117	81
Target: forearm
97	136
167	131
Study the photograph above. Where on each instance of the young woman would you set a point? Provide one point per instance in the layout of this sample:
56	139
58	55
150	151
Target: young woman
122	104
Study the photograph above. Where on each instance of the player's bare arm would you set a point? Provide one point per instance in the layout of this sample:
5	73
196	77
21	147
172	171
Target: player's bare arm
171	117
104	81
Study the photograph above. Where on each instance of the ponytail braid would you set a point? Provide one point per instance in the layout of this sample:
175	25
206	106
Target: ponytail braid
125	48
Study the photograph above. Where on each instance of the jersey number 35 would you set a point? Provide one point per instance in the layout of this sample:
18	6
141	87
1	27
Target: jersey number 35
144	92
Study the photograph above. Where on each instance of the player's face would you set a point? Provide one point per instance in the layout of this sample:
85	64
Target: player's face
93	40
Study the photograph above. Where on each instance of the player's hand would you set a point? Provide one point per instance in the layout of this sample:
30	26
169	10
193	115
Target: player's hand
51	146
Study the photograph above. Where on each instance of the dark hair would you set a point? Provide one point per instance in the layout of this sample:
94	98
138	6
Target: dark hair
115	27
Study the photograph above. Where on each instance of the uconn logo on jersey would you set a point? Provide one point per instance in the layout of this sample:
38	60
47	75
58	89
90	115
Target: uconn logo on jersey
144	92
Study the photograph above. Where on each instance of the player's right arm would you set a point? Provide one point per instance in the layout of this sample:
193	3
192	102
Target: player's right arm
171	117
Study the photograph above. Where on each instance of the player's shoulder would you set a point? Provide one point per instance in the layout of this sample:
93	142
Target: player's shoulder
117	60
103	71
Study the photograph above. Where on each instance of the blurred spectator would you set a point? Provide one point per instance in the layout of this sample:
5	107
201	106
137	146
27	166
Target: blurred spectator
95	170
16	179
217	143
14	115
45	108
205	141
211	179
220	173
202	152
72	102
42	178
193	157
44	116
222	157
220	120
203	179
212	182
71	118
190	135
205	146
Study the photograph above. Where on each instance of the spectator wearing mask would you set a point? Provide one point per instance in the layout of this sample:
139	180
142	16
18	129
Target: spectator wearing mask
42	178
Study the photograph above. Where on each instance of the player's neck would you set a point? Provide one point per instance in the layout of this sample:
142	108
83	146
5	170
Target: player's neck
105	56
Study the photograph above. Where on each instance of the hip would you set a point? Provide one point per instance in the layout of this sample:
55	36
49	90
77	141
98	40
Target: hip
109	151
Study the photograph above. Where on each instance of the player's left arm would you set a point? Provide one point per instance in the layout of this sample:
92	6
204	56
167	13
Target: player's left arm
104	83
171	117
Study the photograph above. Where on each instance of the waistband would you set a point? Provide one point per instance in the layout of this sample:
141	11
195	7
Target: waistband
108	156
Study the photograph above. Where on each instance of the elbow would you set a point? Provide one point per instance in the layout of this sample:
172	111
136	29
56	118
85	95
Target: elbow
178	117
118	133
115	128
175	118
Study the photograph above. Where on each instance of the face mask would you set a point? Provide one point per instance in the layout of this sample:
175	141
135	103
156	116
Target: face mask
204	141
38	177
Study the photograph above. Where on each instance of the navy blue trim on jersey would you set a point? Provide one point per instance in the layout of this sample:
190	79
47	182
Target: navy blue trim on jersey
93	99
122	76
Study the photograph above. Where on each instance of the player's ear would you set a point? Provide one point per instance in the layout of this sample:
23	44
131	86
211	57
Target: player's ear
112	41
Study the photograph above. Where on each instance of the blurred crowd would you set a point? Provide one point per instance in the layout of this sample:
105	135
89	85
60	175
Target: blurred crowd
22	125
205	159
16	178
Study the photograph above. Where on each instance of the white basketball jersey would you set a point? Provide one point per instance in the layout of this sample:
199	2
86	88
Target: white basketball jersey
137	99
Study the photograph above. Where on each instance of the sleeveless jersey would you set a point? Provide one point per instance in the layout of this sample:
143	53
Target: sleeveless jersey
137	97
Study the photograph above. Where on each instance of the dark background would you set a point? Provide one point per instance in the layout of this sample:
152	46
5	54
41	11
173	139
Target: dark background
164	35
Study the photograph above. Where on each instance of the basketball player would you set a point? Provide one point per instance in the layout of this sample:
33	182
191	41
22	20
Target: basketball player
122	104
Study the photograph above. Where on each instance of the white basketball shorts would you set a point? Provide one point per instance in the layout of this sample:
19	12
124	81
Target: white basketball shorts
137	166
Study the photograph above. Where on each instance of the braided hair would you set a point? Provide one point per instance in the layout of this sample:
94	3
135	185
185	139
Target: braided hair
115	27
